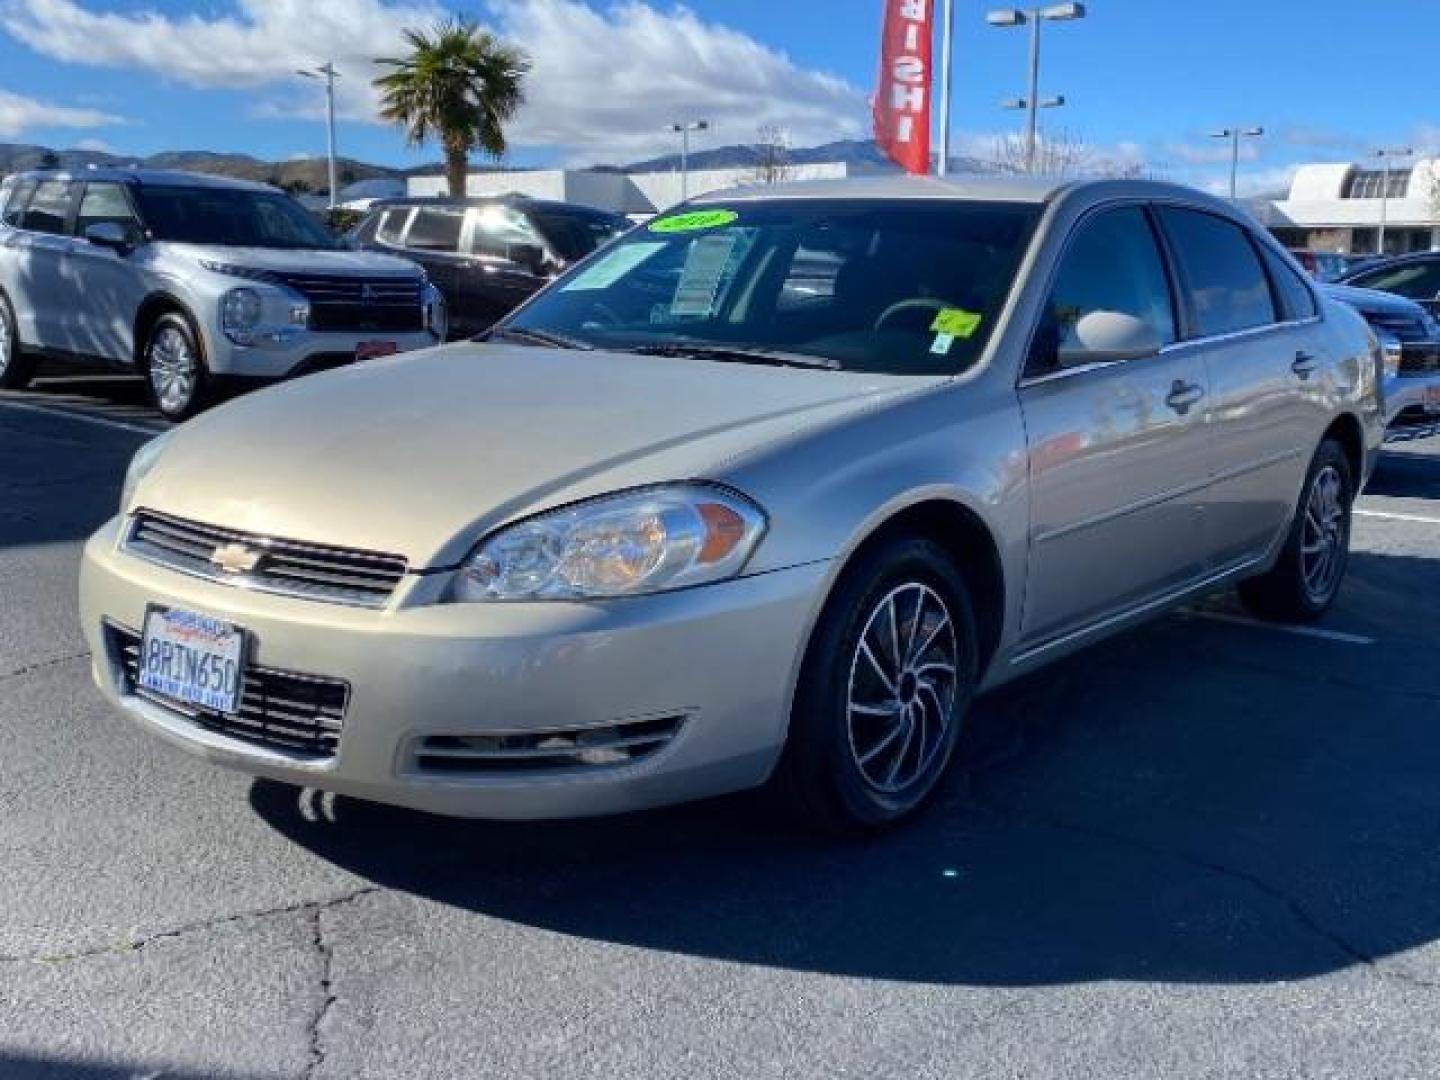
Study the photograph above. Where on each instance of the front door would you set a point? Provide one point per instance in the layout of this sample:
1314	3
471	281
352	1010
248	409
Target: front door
111	283
1119	457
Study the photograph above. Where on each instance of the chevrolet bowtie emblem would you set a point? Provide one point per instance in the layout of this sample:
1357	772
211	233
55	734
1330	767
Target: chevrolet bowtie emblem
236	559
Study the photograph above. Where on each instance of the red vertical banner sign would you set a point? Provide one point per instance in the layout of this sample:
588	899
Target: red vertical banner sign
902	100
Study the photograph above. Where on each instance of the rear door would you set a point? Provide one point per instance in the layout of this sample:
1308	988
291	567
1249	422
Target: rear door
1266	377
42	266
1119	459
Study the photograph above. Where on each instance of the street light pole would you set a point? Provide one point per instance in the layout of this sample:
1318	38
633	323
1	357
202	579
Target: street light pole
685	129
327	72
1234	135
947	56
1006	17
1385	154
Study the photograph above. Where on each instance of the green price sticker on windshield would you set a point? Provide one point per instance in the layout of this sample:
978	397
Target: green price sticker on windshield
695	221
956	322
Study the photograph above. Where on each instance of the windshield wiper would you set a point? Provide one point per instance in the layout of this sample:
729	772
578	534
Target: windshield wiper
534	337
737	354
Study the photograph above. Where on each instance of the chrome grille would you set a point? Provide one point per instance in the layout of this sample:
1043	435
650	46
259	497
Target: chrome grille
342	303
283	709
551	750
290	568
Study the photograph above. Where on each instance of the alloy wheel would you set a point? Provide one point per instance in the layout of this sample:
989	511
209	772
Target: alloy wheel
901	701
7	342
174	369
1325	534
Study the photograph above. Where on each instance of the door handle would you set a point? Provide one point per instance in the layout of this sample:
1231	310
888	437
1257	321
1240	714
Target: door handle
1304	364
1183	395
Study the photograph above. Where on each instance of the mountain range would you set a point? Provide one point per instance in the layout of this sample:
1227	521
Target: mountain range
309	174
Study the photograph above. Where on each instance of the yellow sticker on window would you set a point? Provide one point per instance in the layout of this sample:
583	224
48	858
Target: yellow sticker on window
956	322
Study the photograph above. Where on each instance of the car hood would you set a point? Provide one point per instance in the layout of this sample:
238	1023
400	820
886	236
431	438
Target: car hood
1373	300
308	261
421	454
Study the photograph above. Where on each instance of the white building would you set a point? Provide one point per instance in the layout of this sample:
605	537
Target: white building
1338	208
620	193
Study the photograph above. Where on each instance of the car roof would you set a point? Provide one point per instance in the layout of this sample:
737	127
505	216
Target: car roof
142	177
506	199
980	187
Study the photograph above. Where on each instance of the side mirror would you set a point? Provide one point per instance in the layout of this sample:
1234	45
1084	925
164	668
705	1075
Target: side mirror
1103	337
530	256
109	234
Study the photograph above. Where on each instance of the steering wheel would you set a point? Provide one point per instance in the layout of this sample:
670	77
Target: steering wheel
917	303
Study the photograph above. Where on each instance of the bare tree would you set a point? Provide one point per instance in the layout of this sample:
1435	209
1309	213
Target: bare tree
772	156
1060	154
1066	154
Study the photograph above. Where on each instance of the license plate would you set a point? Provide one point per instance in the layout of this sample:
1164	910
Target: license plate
192	658
1432	399
370	350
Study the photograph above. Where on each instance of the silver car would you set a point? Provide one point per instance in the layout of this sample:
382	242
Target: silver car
767	491
191	280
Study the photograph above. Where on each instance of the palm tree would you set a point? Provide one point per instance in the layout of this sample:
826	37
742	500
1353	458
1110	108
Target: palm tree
460	85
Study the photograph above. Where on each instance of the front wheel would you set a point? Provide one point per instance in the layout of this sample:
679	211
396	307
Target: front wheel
16	369
1305	581
175	368
887	680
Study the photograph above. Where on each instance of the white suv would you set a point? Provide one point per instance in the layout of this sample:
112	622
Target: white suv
191	280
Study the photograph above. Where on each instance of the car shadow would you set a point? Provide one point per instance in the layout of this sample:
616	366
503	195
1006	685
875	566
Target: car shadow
1182	803
1406	474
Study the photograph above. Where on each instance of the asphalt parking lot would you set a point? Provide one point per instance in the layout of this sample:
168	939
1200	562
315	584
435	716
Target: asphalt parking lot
1209	848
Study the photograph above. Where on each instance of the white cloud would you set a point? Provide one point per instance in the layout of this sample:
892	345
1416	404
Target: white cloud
1251	182
18	114
99	146
605	84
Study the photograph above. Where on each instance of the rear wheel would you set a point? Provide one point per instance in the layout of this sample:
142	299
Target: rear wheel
1305	581
888	677
175	368
16	368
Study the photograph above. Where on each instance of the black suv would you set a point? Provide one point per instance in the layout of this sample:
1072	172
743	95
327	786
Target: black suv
486	255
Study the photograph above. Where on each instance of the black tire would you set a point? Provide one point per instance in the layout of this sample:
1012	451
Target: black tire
1292	590
17	367
821	773
170	330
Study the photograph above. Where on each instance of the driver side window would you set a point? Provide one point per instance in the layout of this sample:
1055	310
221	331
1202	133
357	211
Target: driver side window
1111	264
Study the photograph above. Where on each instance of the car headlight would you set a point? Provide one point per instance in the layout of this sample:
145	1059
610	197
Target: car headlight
240	311
637	542
1392	349
140	466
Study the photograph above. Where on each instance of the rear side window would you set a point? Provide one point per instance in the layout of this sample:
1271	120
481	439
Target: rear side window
1292	292
1112	264
48	209
15	204
435	230
1418	280
1223	280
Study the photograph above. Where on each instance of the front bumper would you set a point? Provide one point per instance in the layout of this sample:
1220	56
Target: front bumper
724	656
1408	413
293	353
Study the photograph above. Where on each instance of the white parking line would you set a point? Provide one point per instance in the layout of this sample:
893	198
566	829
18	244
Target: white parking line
1397	517
1285	628
84	418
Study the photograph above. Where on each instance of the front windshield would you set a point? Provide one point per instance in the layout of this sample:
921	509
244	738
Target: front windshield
233	217
897	287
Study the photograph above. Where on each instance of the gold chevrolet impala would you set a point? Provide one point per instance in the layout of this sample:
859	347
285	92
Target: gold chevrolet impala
765	492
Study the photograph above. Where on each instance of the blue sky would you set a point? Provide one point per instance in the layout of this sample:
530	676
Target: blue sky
1144	79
